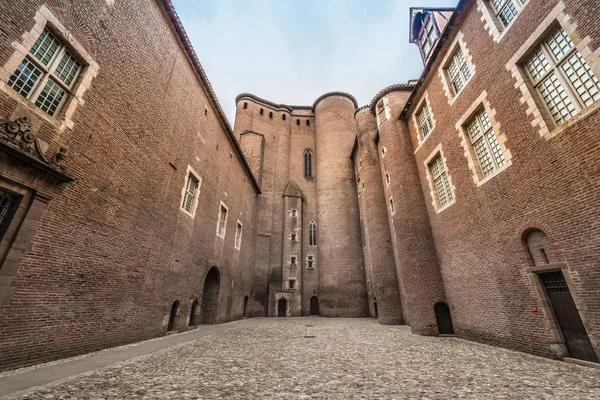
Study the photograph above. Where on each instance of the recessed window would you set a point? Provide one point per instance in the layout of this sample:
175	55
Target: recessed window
425	121
392	209
485	143
294	213
9	202
190	193
262	111
312	233
293	237
222	222
238	235
271	115
310	262
307	122
298	122
387	178
360	163
428	35
245	106
292	283
308	164
458	71
564	81
293	260
506	10
440	181
47	74
283	117
383	150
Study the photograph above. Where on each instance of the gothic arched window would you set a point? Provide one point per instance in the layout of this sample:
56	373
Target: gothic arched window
308	164
312	233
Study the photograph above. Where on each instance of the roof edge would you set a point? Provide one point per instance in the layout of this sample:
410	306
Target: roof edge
330	94
398	87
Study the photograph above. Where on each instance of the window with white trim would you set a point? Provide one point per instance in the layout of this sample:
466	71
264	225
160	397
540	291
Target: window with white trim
312	233
425	120
428	35
190	193
292	283
458	71
507	10
440	181
238	235
310	261
564	81
48	73
293	260
485	143
293	237
222	222
294	213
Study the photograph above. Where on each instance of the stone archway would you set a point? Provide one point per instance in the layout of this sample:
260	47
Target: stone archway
210	297
193	318
173	315
314	305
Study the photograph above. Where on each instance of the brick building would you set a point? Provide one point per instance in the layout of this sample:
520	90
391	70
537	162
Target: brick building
462	202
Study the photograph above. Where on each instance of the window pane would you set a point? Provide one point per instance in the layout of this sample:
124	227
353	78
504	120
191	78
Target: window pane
459	71
556	99
50	97
45	47
67	68
495	147
583	79
507	13
537	64
9	202
559	43
425	121
24	78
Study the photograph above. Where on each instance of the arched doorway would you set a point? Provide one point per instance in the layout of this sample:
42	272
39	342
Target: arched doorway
376	311
314	305
210	297
193	313
245	307
282	307
172	315
443	318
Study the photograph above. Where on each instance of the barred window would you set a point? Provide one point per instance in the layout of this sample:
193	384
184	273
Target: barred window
190	193
425	121
222	222
47	74
485	143
458	71
506	10
312	233
428	35
440	181
238	235
563	79
9	202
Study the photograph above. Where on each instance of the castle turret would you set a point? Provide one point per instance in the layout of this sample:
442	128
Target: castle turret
342	284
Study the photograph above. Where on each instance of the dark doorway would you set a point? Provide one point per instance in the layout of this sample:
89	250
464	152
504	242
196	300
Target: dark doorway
193	313
245	307
172	315
444	319
282	307
376	311
576	338
314	305
210	297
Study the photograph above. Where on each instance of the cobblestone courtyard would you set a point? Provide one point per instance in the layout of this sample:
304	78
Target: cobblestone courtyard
347	359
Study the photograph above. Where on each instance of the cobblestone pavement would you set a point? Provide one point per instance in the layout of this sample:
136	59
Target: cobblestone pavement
347	359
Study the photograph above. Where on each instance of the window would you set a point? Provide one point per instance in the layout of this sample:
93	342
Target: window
238	235
383	150
428	35
47	74
563	79
298	122
293	237
293	260
294	213
440	181
485	143
222	222
458	71
271	115
312	233
310	261
9	202
360	163
387	178
292	283
245	106
506	10
283	117
425	121
308	164
392	209
307	123
190	193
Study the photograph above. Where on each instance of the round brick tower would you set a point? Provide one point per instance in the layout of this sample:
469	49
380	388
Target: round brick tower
342	284
386	291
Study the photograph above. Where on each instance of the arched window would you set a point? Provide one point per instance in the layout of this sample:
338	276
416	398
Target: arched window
539	247
308	164
312	233
245	106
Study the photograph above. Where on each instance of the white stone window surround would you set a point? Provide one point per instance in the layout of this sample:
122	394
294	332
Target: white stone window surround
492	23
310	259
44	18
418	109
293	259
465	141
222	220
458	43
188	173
536	108
432	190
239	230
292	284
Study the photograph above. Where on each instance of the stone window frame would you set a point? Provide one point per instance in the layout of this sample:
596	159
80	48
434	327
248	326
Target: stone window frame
473	162
190	172
293	260
237	242
224	224
44	18
292	284
293	213
492	24
384	112
293	237
311	257
432	190
312	224
458	43
536	108
424	102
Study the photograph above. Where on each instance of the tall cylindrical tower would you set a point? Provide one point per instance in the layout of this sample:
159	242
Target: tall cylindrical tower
342	284
378	238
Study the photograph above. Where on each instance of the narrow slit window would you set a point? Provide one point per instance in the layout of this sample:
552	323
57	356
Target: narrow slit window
310	262
308	164
312	233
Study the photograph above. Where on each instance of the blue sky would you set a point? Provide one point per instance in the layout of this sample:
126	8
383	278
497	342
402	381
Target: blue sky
292	51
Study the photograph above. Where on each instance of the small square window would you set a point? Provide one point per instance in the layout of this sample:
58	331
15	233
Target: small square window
292	283
310	262
294	213
293	237
293	260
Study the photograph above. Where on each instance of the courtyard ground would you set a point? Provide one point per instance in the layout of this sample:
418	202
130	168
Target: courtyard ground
347	359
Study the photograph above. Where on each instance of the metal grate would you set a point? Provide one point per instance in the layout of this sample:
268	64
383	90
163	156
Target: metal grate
554	282
9	202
